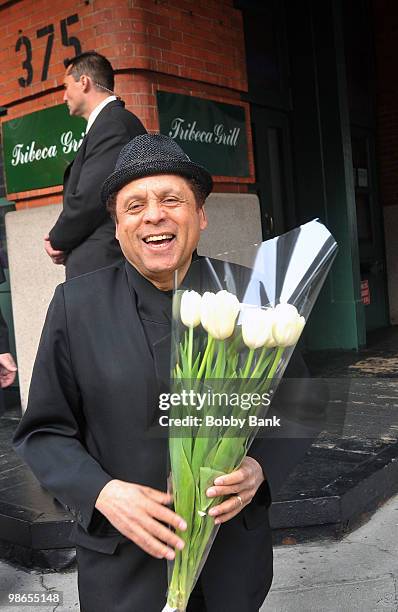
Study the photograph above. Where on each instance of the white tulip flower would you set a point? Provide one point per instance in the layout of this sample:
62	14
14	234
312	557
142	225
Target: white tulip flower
257	327
190	308
207	307
288	325
218	312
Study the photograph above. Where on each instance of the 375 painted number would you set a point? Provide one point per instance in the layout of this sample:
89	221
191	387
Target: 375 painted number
24	44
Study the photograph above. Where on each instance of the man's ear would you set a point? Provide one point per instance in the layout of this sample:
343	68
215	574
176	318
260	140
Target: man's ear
203	218
85	81
116	229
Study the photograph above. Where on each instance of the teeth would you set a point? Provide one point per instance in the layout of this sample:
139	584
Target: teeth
157	238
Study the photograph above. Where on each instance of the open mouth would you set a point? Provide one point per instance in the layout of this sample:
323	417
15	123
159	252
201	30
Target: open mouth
159	240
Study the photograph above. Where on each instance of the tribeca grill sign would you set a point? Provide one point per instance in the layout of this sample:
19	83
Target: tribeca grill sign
211	133
31	153
38	147
190	132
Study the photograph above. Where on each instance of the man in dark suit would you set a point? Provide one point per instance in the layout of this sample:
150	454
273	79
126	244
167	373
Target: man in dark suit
104	351
83	237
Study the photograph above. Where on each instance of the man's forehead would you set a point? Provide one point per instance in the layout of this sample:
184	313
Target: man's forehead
68	72
157	182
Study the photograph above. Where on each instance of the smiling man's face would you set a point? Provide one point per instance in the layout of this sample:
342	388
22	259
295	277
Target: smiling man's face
158	225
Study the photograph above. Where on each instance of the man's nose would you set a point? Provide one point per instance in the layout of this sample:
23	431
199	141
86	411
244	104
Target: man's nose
154	213
65	97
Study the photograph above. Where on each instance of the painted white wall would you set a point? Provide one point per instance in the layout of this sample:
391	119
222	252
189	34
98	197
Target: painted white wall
33	278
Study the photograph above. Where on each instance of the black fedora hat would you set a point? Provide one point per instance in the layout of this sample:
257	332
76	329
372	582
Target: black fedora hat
150	154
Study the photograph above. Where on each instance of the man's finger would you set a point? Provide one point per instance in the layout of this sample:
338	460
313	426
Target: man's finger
53	253
158	496
232	490
162	533
7	361
235	477
7	379
232	504
58	259
223	518
150	544
164	514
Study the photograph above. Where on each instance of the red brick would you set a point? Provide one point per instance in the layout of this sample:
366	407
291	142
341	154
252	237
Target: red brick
181	48
153	29
161	20
173	35
170	57
138	26
191	62
156	41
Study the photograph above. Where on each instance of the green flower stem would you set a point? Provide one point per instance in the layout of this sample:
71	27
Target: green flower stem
175	579
277	359
189	560
259	361
264	384
210	341
220	361
190	348
248	363
209	363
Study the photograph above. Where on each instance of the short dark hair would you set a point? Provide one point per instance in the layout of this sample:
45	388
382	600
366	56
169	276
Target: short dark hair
198	191
94	65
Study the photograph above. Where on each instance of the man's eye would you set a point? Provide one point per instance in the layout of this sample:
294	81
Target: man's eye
134	207
170	200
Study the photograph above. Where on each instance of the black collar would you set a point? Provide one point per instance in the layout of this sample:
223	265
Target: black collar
152	303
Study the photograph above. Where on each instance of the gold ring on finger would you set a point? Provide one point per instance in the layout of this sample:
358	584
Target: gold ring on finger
240	500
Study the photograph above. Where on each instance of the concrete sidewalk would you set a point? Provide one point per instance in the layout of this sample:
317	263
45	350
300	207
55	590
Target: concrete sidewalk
356	574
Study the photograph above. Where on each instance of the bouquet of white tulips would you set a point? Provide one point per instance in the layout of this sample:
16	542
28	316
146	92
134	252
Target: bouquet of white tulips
234	330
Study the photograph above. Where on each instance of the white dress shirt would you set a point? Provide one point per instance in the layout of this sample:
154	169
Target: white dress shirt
94	114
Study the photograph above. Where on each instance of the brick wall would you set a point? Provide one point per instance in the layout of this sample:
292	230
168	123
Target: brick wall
194	47
385	13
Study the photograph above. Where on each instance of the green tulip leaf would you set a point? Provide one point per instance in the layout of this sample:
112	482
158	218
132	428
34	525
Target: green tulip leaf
207	476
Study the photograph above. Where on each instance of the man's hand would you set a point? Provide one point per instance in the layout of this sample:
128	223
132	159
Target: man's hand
140	514
8	370
242	485
58	257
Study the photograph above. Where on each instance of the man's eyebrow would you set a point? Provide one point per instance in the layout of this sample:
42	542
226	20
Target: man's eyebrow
171	191
132	197
160	193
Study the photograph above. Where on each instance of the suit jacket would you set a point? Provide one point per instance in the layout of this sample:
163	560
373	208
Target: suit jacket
102	357
4	342
84	229
4	348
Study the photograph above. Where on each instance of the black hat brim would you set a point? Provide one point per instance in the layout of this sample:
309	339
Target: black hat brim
131	172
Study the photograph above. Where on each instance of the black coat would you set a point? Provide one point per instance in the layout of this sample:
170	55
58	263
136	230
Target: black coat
92	393
4	348
4	342
84	229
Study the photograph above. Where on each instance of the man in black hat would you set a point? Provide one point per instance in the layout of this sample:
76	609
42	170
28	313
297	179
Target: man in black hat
103	352
83	238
